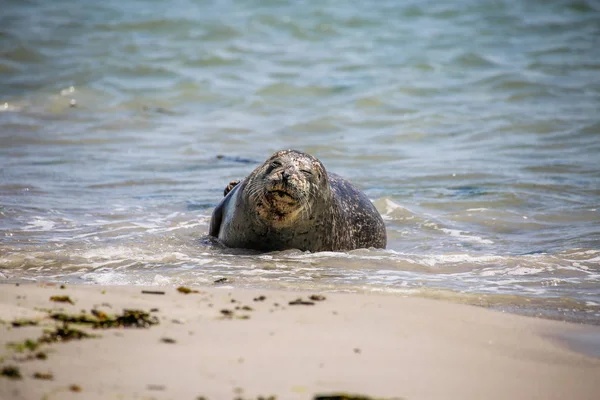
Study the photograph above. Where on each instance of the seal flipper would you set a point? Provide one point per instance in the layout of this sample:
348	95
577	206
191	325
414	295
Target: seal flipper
217	214
215	220
230	186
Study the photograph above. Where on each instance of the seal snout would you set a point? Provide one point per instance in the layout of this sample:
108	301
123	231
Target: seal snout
284	185
286	175
281	190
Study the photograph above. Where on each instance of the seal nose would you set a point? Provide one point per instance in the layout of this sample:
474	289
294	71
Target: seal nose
286	174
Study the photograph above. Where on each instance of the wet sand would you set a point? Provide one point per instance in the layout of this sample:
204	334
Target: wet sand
225	343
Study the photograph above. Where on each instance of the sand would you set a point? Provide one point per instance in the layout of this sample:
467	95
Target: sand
380	346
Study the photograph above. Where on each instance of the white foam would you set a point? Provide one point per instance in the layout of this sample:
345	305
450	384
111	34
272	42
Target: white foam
107	278
39	224
160	280
458	259
520	271
514	271
466	237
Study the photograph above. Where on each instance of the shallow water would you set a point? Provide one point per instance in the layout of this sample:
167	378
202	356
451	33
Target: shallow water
474	127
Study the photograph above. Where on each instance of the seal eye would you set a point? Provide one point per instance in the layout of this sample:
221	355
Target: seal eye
272	166
306	172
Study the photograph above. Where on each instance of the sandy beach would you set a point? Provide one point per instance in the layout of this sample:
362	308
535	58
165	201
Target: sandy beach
225	343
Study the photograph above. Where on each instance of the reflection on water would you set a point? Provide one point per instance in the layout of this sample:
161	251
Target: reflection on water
474	128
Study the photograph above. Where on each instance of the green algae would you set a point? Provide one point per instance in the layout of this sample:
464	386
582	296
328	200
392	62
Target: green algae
63	334
20	347
101	320
18	323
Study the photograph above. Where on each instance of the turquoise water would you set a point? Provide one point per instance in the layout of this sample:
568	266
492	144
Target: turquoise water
473	126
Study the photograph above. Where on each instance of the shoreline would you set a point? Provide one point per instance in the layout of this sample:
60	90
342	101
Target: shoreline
375	345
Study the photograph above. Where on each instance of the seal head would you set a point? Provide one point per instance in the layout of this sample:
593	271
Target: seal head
283	189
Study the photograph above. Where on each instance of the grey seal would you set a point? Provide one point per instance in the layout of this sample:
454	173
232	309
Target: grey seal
291	202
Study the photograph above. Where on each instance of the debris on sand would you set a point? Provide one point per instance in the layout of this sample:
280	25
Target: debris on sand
186	290
18	323
300	302
101	320
62	299
11	372
45	376
153	292
63	334
342	396
75	388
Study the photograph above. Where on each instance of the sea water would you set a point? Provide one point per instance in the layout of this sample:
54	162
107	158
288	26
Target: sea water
474	126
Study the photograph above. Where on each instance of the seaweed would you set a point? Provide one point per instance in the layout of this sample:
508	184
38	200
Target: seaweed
346	396
184	290
74	319
317	297
130	318
226	312
63	334
101	315
220	280
168	340
300	302
101	320
61	299
75	388
59	334
18	323
260	298
11	372
43	376
342	396
20	347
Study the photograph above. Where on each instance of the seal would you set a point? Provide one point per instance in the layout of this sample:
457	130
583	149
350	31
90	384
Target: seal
291	202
